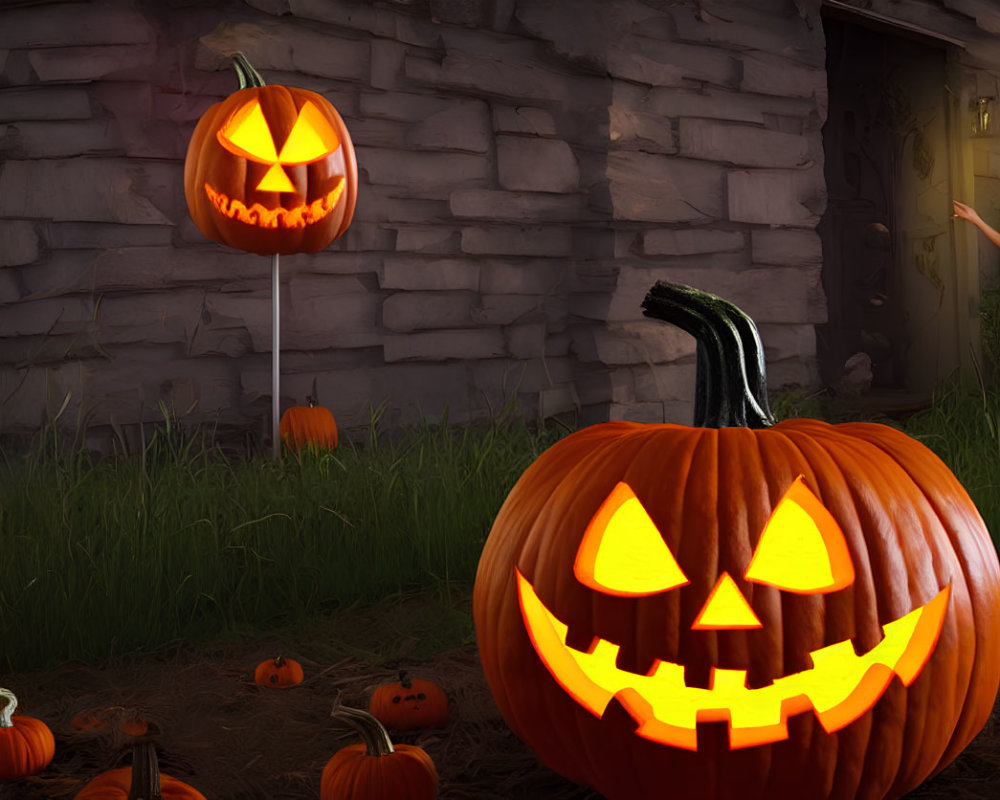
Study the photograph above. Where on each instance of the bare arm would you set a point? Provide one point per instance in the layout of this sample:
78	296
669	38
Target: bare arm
963	211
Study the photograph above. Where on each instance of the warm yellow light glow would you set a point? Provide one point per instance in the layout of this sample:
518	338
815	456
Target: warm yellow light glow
276	180
839	688
258	215
622	551
311	138
248	135
247	130
802	548
726	607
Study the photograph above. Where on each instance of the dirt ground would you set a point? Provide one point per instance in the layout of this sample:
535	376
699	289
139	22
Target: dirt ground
233	740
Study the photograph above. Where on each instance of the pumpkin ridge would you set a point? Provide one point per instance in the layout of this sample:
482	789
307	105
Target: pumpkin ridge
853	461
931	476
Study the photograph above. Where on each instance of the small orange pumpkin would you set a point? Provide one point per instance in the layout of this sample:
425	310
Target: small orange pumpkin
101	719
142	780
278	673
410	703
308	426
26	743
376	769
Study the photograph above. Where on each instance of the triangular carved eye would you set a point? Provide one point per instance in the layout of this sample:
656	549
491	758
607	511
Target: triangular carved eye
623	552
311	138
247	134
802	548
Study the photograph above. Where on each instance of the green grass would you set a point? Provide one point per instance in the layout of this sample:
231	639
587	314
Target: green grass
104	558
180	543
963	427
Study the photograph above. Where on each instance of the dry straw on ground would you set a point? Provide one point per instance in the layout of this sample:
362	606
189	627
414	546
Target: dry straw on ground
234	740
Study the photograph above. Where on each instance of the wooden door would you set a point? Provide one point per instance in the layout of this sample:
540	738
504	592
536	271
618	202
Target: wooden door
888	263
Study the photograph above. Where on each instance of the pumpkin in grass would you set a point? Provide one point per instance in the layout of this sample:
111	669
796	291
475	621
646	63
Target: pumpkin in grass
376	769
26	744
141	781
308	426
271	169
278	673
739	609
102	719
409	703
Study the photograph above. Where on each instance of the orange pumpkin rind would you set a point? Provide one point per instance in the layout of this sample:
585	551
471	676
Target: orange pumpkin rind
376	768
278	673
409	704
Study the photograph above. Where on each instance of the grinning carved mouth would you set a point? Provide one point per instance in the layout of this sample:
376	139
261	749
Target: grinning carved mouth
840	687
261	217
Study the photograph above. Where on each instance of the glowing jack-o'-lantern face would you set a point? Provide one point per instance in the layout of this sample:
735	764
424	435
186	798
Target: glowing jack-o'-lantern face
248	135
801	550
271	169
743	608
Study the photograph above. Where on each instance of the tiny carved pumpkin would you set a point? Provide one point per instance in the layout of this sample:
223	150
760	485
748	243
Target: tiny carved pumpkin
410	703
376	769
141	781
308	426
102	719
278	673
271	169
740	609
26	743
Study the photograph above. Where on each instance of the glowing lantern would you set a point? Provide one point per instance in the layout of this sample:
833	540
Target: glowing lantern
271	169
739	609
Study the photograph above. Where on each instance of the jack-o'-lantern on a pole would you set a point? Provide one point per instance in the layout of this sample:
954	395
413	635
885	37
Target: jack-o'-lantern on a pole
271	170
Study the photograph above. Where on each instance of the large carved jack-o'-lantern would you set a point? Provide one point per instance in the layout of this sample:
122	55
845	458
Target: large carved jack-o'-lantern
741	609
271	169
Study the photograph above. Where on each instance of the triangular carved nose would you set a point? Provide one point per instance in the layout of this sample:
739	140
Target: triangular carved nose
726	607
276	180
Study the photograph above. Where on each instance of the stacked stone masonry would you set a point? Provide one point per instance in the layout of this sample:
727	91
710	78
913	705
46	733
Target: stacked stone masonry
528	169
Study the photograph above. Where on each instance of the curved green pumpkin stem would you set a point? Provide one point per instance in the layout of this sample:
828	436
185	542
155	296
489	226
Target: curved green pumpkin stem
249	77
730	377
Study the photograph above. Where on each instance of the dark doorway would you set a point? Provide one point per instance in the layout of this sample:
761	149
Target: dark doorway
887	257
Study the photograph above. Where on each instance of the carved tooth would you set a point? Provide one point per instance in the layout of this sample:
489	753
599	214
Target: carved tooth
629	660
580	639
758	677
697	676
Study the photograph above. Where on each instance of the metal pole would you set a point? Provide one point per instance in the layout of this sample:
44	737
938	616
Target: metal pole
275	359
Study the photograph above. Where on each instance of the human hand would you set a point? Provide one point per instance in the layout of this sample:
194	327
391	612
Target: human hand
963	211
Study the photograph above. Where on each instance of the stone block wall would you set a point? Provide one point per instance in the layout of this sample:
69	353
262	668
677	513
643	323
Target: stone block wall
528	169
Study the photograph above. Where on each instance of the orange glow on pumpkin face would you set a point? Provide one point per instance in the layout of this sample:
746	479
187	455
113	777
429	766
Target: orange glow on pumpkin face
800	550
263	217
247	134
